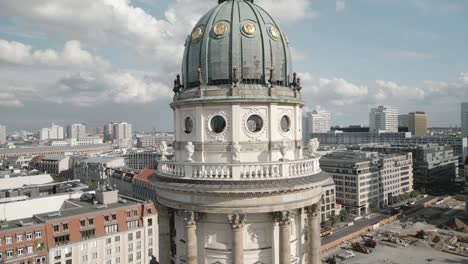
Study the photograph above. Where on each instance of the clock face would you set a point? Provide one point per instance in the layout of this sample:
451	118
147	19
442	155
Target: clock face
218	124
285	124
254	123
188	125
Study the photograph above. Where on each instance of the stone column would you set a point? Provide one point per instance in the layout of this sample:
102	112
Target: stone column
313	231
283	219
237	222
190	237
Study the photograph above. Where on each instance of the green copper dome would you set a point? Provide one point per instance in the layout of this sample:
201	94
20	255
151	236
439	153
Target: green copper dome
236	42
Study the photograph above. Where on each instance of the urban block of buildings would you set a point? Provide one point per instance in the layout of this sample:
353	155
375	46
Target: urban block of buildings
367	179
53	132
317	121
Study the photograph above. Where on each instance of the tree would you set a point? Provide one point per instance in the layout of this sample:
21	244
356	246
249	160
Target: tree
343	215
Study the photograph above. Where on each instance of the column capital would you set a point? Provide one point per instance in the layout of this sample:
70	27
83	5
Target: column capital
313	210
190	217
237	220
283	217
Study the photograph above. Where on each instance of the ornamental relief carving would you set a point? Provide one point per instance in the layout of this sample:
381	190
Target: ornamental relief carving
249	132
211	134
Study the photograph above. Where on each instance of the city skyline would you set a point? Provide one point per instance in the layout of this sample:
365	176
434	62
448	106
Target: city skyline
89	76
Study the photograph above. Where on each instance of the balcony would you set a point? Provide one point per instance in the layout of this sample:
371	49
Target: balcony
239	171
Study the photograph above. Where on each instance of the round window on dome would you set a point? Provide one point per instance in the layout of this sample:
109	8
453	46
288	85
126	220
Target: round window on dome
254	123
218	124
188	125
285	123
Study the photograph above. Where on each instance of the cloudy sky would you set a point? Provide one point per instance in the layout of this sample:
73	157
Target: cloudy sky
95	61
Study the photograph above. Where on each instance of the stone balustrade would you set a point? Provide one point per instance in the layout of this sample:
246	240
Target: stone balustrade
239	171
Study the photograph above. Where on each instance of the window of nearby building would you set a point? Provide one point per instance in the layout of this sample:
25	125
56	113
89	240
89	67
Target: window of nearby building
84	246
109	251
68	261
56	228
130	236
108	240
94	243
1	241
65	227
132	224
62	239
82	223
116	238
84	258
68	252
9	253
95	255
129	214
150	241
57	254
8	240
109	261
30	249
111	229
38	234
150	222
139	245
138	234
91	221
135	212
130	257
138	255
114	217
150	231
117	260
87	234
20	251
1	256
130	247
28	236
117	249
106	218
19	237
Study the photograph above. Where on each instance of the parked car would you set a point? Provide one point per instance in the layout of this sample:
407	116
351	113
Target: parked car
346	255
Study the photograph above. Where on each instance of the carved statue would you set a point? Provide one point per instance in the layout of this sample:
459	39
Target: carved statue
237	220
163	150
190	148
313	147
284	149
235	149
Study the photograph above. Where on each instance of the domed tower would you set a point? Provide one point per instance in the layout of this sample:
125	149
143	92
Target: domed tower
240	189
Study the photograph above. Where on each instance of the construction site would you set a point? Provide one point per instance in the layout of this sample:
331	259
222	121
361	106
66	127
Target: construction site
434	232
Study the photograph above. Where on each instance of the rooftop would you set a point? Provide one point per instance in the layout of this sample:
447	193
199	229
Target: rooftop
145	174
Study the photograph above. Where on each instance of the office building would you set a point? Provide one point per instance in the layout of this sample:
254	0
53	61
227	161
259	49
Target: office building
417	124
76	131
53	132
464	119
108	132
3	134
383	118
402	120
141	159
154	141
366	179
122	134
329	205
435	167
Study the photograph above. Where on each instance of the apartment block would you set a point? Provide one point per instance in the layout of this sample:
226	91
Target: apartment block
101	228
317	121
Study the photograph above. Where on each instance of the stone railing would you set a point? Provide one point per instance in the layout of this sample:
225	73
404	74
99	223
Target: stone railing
239	171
